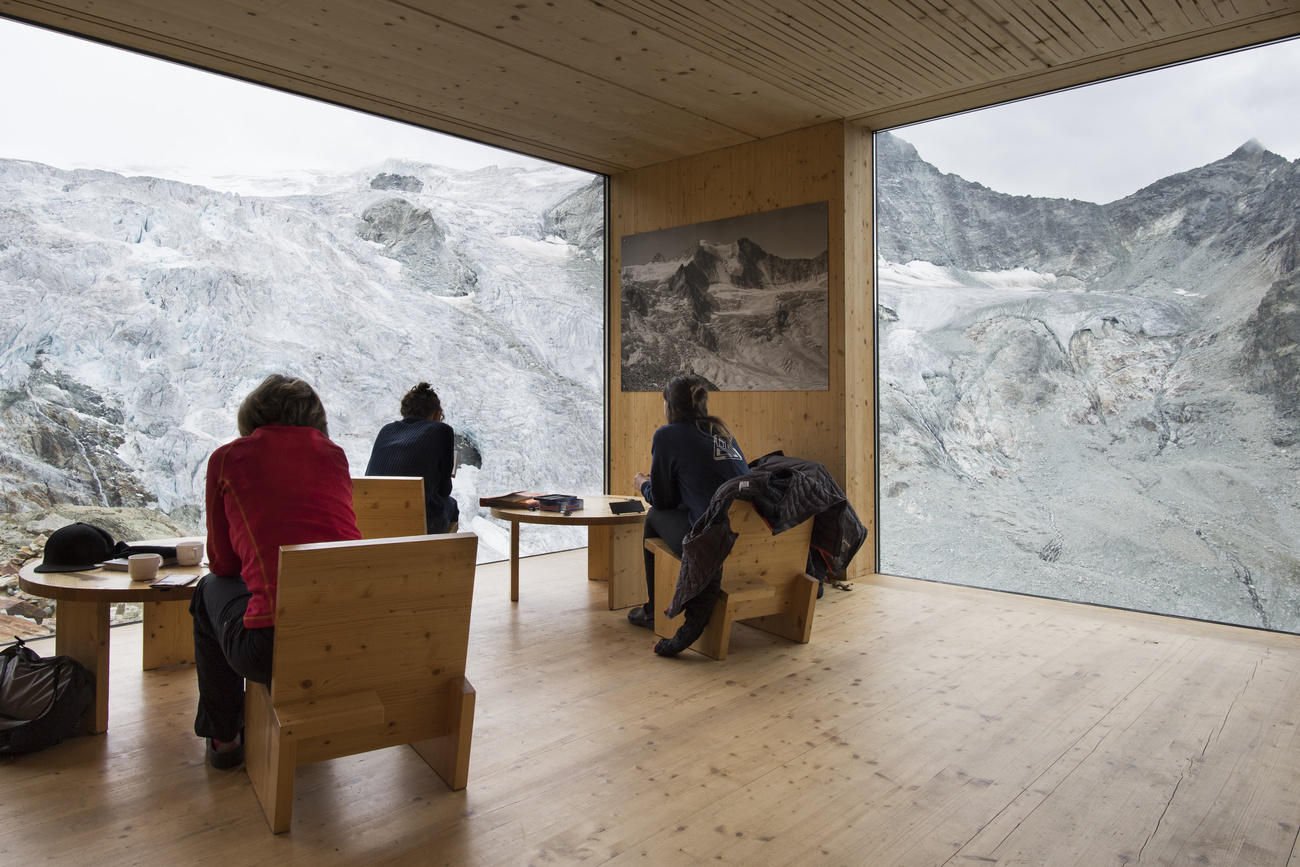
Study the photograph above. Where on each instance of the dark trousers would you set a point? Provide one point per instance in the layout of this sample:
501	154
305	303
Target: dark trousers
671	525
441	515
226	652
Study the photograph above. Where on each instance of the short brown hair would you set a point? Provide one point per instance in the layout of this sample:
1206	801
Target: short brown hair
282	400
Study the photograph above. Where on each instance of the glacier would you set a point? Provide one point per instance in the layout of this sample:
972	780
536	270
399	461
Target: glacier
138	312
1094	403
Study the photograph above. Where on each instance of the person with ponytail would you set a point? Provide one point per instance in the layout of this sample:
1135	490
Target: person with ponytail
421	444
690	457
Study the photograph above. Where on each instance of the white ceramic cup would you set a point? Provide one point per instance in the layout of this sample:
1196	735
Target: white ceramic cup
189	553
143	567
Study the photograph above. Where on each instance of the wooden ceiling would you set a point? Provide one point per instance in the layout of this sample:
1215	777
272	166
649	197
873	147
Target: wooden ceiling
621	84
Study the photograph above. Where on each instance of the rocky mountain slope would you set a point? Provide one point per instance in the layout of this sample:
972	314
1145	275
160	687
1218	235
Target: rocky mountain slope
1095	402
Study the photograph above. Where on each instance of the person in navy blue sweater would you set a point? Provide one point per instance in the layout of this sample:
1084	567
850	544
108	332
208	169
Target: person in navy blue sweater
421	444
689	458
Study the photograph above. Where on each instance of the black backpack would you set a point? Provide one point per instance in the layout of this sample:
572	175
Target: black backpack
42	701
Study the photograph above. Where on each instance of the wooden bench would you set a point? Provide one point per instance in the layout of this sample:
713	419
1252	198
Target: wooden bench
389	506
763	584
370	643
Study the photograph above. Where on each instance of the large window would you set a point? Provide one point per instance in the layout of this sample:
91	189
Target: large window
170	237
1088	322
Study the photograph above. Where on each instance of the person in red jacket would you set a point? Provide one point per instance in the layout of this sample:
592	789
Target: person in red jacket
283	482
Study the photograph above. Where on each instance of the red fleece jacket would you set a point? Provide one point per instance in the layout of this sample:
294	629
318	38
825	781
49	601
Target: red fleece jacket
276	486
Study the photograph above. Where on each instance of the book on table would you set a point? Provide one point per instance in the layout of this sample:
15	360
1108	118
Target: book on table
533	500
516	500
559	503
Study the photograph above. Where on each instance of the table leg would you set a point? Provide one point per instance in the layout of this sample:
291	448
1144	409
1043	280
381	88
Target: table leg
599	552
614	553
168	634
514	561
81	632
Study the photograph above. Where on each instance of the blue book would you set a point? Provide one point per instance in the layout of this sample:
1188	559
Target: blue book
559	503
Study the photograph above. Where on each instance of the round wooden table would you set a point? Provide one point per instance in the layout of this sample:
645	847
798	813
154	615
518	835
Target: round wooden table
83	601
613	545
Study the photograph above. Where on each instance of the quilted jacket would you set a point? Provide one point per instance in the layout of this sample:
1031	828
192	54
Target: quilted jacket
785	493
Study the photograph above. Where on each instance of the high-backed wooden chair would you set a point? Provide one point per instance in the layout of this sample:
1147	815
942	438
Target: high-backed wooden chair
389	506
763	584
370	641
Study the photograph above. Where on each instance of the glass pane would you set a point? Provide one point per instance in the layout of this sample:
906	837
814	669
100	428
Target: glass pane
170	237
1088	328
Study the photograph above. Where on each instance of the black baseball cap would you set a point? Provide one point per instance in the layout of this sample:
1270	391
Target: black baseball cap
76	547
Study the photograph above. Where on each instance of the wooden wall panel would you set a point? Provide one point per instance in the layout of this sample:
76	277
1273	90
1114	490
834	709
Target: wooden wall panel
793	169
860	336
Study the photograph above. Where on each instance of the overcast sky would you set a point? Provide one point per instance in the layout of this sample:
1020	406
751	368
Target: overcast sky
1104	141
71	103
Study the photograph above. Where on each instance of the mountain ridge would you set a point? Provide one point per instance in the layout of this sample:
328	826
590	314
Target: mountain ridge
946	220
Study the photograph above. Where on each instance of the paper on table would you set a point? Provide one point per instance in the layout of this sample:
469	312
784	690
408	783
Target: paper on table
119	564
176	579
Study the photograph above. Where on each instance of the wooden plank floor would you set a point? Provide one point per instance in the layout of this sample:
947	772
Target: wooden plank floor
924	725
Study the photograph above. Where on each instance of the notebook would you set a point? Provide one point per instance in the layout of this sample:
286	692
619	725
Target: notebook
176	579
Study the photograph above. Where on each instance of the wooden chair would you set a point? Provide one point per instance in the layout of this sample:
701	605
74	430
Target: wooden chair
389	506
763	584
370	642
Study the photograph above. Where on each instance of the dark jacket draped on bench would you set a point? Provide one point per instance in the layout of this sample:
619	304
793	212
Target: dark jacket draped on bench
785	492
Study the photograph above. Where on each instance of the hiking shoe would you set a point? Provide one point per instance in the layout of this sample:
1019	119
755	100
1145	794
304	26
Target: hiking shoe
668	647
226	756
641	616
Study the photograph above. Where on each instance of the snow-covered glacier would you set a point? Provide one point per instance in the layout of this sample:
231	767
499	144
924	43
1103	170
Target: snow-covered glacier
137	312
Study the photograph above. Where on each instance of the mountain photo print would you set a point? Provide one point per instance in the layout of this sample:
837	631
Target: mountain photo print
742	302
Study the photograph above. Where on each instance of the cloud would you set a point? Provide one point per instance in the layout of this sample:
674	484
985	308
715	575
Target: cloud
73	103
1105	141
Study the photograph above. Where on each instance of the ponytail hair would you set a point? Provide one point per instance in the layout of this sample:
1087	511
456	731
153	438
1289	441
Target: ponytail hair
687	399
422	402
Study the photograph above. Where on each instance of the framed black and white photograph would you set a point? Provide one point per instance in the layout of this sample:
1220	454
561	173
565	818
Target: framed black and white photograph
742	302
